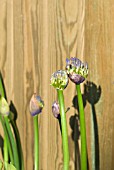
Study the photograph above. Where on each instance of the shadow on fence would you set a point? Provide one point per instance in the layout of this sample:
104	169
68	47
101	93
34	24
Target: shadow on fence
92	95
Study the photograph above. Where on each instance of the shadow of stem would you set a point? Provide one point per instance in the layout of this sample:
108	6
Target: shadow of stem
91	95
94	138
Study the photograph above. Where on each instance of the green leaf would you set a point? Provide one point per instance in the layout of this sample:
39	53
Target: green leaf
1	165
9	166
2	90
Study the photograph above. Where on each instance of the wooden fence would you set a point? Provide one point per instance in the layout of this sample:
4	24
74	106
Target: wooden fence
36	36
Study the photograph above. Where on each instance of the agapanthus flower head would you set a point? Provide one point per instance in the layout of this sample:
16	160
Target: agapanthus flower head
76	70
4	107
59	79
36	104
56	109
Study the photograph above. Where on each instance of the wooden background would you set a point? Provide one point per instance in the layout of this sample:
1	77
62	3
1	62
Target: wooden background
35	38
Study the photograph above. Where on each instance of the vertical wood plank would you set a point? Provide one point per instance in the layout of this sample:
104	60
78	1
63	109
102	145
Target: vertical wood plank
99	54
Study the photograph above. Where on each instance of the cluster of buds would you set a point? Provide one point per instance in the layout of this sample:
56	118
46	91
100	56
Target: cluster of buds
76	70
59	79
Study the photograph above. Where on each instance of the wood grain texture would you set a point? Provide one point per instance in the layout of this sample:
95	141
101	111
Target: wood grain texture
36	36
99	53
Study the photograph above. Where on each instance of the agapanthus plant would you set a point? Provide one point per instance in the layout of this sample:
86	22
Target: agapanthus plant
36	106
77	72
10	146
59	80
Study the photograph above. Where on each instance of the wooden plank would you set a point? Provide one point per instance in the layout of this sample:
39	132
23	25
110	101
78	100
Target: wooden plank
99	53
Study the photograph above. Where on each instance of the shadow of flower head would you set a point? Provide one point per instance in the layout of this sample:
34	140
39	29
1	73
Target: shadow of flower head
74	124
92	92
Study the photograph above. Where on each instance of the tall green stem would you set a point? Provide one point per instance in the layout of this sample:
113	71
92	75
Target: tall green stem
5	150
36	143
2	92
64	130
8	142
13	144
82	130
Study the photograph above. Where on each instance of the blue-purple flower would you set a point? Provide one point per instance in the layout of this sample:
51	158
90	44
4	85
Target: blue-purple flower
76	70
36	105
59	79
4	107
56	109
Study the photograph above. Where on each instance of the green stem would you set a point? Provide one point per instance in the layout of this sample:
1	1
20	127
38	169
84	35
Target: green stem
82	130
64	130
5	150
36	143
7	140
2	92
13	144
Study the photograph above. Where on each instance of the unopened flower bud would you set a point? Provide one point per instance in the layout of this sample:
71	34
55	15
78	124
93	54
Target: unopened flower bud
76	70
55	109
4	107
36	105
59	79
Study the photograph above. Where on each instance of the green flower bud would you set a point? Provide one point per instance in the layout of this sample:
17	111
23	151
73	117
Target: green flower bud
4	107
59	79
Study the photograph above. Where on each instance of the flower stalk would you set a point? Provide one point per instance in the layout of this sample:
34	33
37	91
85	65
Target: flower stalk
59	80
13	144
82	129
7	144
64	130
36	143
77	73
36	106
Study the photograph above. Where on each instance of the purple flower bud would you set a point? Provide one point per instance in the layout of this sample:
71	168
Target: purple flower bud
36	105
76	78
76	70
59	79
4	107
55	109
